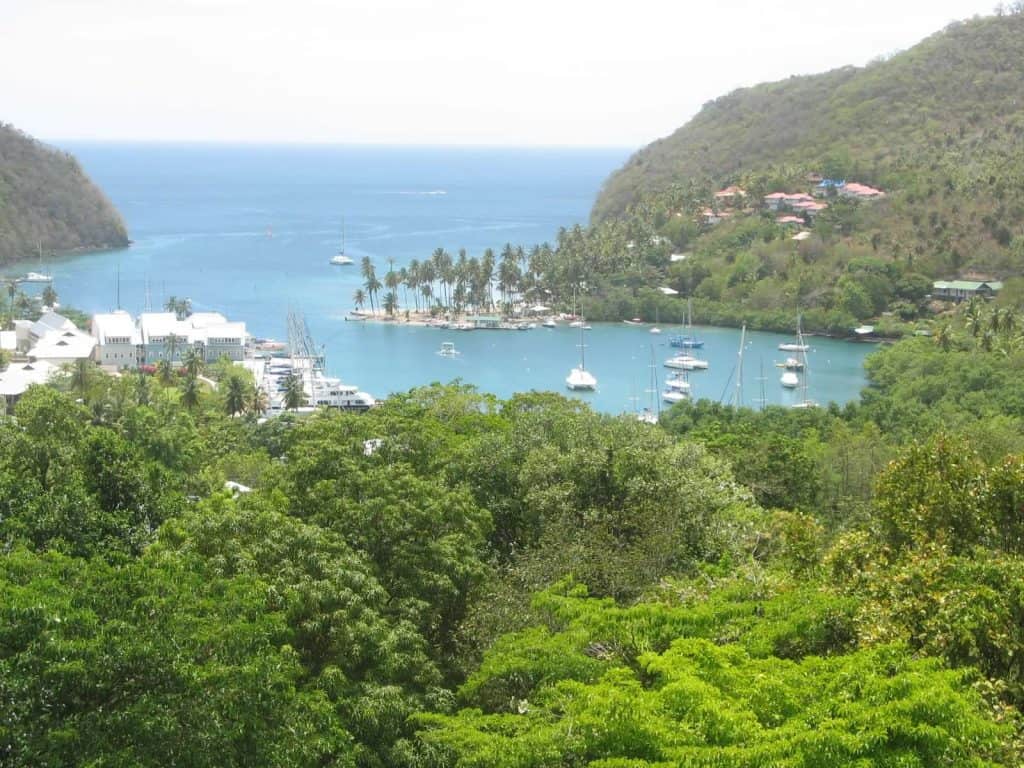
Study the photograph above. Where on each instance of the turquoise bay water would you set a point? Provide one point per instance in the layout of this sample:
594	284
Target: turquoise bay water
248	231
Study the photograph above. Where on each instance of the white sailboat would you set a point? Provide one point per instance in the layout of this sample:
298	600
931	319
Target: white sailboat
40	276
799	346
341	259
652	412
579	378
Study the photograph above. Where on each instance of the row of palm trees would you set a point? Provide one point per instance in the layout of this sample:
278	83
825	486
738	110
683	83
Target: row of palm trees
989	328
457	284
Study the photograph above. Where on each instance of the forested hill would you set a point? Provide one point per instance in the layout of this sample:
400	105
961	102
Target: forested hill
45	197
947	112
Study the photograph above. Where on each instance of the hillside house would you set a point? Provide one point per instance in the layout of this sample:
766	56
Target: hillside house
730	197
857	191
20	376
710	217
958	290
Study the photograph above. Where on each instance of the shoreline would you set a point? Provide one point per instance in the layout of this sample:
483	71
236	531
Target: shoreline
426	320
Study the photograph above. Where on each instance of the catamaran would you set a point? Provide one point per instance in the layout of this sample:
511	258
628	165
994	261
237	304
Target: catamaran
688	340
340	259
579	378
677	388
686	363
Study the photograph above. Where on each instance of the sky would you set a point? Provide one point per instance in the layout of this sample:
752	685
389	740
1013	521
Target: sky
514	72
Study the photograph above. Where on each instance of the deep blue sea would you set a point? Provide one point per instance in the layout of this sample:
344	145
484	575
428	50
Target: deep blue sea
248	231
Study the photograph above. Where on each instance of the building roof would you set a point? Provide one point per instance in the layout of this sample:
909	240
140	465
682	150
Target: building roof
205	319
731	191
64	345
801	235
789	220
49	322
965	285
115	325
862	190
20	376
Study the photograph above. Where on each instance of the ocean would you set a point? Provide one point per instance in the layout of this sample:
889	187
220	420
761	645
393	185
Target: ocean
248	231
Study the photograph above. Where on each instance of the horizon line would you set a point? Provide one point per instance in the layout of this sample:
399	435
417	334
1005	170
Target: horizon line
336	144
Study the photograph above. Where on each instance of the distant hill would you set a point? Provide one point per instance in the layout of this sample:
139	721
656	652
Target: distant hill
941	125
45	197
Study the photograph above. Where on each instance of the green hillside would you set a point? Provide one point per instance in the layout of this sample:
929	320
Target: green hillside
939	128
45	197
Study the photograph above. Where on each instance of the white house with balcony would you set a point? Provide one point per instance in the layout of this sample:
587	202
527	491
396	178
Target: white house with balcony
155	336
117	339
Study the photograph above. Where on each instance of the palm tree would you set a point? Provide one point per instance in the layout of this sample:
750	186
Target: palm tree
171	344
49	296
258	402
972	316
142	389
370	277
487	275
944	337
392	282
190	392
390	303
165	371
234	396
294	393
359	298
193	362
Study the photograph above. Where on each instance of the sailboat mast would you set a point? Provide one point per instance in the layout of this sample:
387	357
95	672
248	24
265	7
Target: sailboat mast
739	368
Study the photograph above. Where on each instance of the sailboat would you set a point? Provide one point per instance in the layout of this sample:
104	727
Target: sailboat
656	329
799	346
688	340
340	259
805	401
652	412
579	378
40	276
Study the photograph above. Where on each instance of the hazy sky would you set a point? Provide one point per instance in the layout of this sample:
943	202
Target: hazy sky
402	71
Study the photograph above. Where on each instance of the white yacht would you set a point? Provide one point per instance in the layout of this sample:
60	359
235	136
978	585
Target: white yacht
791	347
37	277
550	323
686	363
448	349
331	393
790	380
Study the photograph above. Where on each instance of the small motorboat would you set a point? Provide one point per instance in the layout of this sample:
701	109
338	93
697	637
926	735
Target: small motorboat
448	349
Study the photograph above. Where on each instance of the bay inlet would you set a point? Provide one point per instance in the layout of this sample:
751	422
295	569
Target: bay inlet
248	231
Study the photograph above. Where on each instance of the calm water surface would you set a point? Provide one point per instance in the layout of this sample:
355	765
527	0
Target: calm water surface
248	231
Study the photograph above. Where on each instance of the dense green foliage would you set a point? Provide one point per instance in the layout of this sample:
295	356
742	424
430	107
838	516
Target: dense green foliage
46	198
455	580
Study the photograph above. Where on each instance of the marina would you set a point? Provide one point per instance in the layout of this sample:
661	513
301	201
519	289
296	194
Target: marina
210	243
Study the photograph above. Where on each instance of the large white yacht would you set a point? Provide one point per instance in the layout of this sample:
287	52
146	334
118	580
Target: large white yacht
686	363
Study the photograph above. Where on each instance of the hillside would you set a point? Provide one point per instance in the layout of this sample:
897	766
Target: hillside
952	104
938	128
45	197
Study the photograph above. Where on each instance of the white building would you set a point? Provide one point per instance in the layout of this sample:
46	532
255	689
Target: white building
20	376
63	347
117	339
160	336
